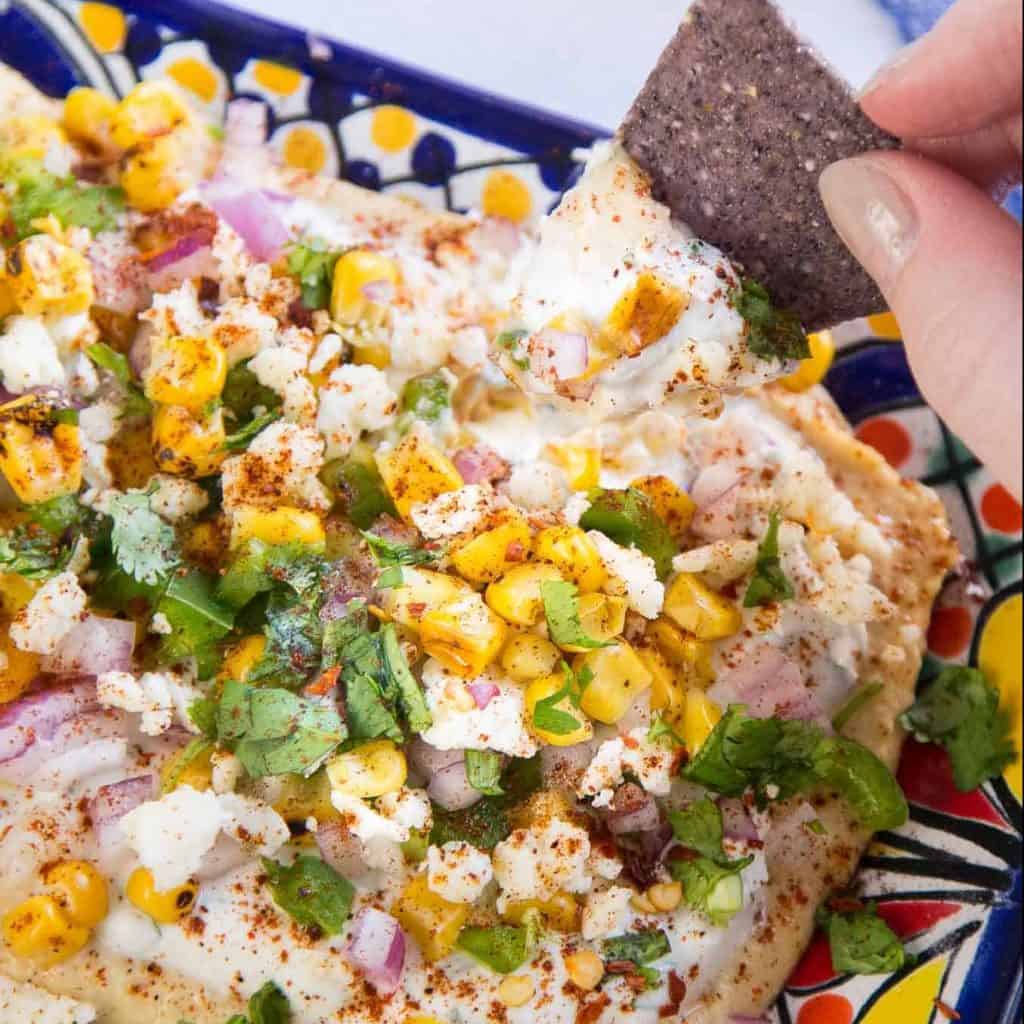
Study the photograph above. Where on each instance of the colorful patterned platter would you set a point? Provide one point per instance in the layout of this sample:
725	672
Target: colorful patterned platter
950	881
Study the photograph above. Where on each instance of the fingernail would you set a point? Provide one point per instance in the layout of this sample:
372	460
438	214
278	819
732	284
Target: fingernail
872	214
891	68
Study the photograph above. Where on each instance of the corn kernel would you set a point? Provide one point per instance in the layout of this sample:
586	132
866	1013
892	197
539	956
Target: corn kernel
165	907
585	969
527	656
574	554
668	694
8	303
242	658
464	635
48	277
683	651
369	771
298	798
356	269
277	526
618	678
422	591
416	471
813	370
432	921
665	896
155	175
89	117
641	903
40	462
699	720
185	445
186	370
602	618
150	111
15	593
503	543
38	929
204	542
372	355
673	505
561	913
456	693
197	772
516	596
30	135
695	607
17	669
580	463
644	315
516	990
542	689
79	890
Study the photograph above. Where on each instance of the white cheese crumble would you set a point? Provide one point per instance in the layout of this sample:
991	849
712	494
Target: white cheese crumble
606	913
365	823
356	398
409	808
537	485
161	698
650	763
175	499
283	370
458	872
243	329
28	1004
633	575
51	614
454	512
536	863
28	356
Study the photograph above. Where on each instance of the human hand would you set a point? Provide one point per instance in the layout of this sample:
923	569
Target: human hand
924	224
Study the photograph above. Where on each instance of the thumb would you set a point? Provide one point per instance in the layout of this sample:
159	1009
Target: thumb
949	263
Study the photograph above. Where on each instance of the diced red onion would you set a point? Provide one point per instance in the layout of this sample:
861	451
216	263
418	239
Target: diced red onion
251	214
563	766
483	693
644	853
497	234
716	493
428	760
559	355
93	646
38	716
378	291
110	803
350	579
632	810
118	275
480	464
341	848
224	857
376	947
141	350
245	123
637	716
178	250
451	789
736	821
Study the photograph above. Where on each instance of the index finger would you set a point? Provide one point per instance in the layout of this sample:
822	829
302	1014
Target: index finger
963	76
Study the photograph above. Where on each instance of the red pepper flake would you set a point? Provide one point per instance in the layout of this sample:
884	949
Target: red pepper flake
324	683
515	552
591	1011
946	1010
845	905
417	609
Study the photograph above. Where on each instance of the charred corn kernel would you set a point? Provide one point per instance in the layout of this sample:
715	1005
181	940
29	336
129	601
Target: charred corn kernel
665	896
580	463
683	651
186	370
155	175
165	907
242	658
422	591
561	912
574	554
464	635
541	690
40	464
89	116
585	969
30	135
204	542
673	505
504	543
641	903
150	111
48	277
602	618
80	891
352	273
17	669
668	694
299	798
699	720
812	371
644	315
527	656
38	929
277	526
372	355
432	921
695	607
618	677
516	990
415	471
188	769
185	445
369	771
516	596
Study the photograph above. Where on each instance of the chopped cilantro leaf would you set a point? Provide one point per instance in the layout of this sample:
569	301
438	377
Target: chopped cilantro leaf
144	545
561	608
483	772
391	557
640	948
628	517
359	482
662	732
32	554
713	887
116	363
269	1005
195	749
294	634
243	393
198	621
549	714
59	514
245	435
853	707
313	264
861	942
410	695
426	398
512	343
312	893
256	567
769	583
502	948
483	825
773	333
700	828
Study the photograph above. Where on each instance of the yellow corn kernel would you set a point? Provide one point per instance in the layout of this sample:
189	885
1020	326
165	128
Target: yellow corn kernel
150	111
186	370
668	695
17	669
185	445
197	772
580	463
420	1019
602	618
432	921
155	175
527	656
369	771
89	117
690	657
542	689
48	277
503	543
644	315
618	678
422	591
79	890
464	635
242	658
561	912
8	303
812	371
516	596
30	135
585	969
695	607
278	526
673	505
699	720
15	592
38	929
40	462
356	269
204	542
165	907
665	896
416	471
574	554
516	990
299	798
372	355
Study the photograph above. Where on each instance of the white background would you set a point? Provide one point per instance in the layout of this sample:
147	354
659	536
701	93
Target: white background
583	58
